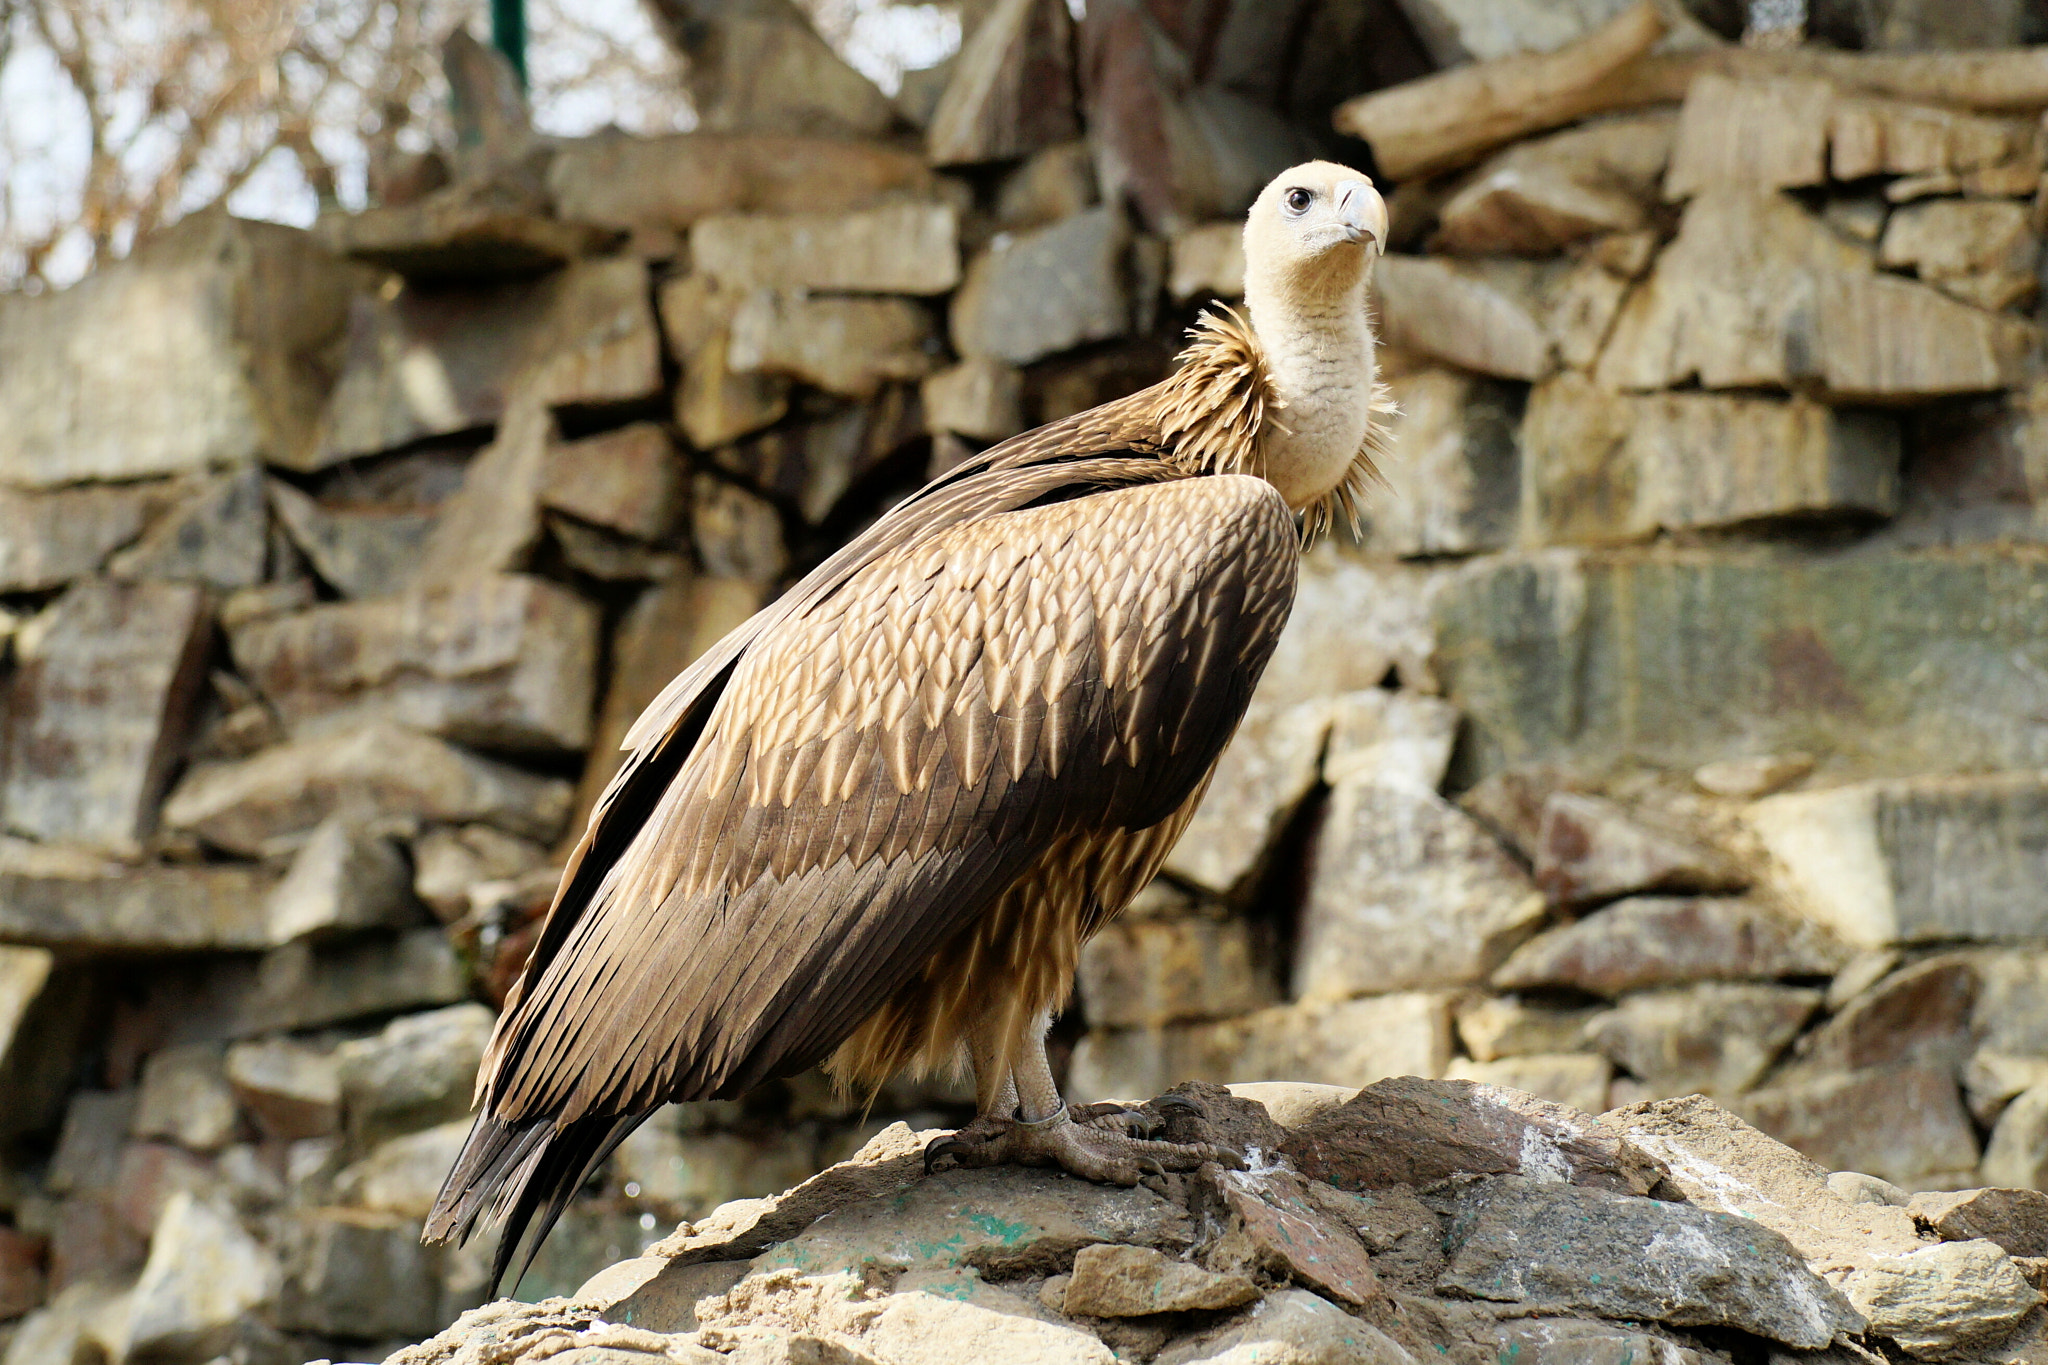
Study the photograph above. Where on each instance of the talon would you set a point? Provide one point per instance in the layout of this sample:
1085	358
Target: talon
1150	1166
1177	1102
943	1146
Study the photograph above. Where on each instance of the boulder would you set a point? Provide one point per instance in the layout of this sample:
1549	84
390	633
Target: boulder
1926	1139
205	1274
1942	1302
1918	1014
291	1089
1406	891
1145	973
1268	768
672	181
342	879
498	660
185	1098
1457	463
899	248
98	711
1716	1037
374	773
1291	1327
628	479
203	349
1600	467
844	345
1033	293
1542	1245
1648	941
416	1072
1591	849
352	1273
1271	1226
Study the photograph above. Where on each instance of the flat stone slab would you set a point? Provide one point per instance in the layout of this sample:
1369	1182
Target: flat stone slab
1554	1246
1131	1282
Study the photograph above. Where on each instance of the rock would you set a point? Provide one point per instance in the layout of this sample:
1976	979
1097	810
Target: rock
1714	1037
1011	91
1927	1138
1399	738
499	660
205	1273
492	523
672	181
1457	31
1540	1245
1745	779
716	404
1053	183
1130	1282
402	1176
1292	1103
847	346
151	908
1756	293
1291	1327
460	235
293	1091
1718	1162
1143	973
1943	1301
436	362
1457	463
1979	250
2016	1220
1353	623
1920	1014
185	1099
1572	1079
1992	1080
54	536
759	67
219	536
1037	292
301	985
1591	849
84	1318
376	772
1574	1341
341	880
1273	1227
628	479
1648	941
2017	1153
1268	768
925	1329
356	1274
978	397
1348	1043
737	534
814	464
202	349
1207	259
1600	467
902	248
22	1282
1911	860
87	760
359	553
1412	1131
1492	1027
448	861
2009	1017
1549	656
1762	134
88	1151
415	1073
1484	316
1406	891
657	1293
1543	194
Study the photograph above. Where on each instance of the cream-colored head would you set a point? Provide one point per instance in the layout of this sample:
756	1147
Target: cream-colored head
1309	244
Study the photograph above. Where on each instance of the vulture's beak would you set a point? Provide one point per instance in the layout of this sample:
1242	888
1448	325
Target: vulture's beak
1362	212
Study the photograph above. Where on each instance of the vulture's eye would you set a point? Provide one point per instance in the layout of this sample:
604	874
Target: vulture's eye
1298	201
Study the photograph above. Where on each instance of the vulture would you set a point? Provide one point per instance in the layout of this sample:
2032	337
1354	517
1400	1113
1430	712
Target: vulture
873	826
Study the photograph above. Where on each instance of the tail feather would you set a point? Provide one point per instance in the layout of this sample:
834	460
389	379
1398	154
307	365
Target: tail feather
523	1174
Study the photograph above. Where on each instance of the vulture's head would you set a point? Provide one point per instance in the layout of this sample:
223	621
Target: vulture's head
1317	226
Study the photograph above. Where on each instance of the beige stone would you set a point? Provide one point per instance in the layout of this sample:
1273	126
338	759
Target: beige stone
1454	467
1011	87
1291	1327
907	248
492	523
51	537
1053	183
1261	778
343	879
205	1273
291	1089
843	345
1133	1282
1925	1141
738	533
763	68
1980	250
1207	259
1390	736
1604	467
1714	1037
1149	972
1942	1301
629	479
1354	623
1032	293
979	397
1769	134
1495	1026
460	234
108	906
1576	1080
1540	195
1483	316
402	1176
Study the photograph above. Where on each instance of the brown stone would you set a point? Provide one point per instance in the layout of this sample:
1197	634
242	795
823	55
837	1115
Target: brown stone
1925	1136
1542	194
88	1154
1920	1014
460	235
152	908
1149	972
1769	134
1130	1282
898	248
353	1273
358	552
2017	1220
49	538
1275	1228
1457	462
204	348
842	344
503	661
342	879
1600	467
1486	316
1980	250
1012	87
738	534
292	1090
378	772
185	1098
629	479
98	710
978	397
812	465
21	1273
493	521
1412	1131
1592	849
674	180
1714	1037
1053	183
1665	940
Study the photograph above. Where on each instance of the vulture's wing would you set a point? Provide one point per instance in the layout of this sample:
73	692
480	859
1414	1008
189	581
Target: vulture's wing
858	779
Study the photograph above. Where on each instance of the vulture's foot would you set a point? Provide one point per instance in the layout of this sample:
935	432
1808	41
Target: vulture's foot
1116	1117
1102	1154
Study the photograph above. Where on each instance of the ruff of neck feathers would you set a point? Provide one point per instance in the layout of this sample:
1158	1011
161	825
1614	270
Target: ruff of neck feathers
1215	410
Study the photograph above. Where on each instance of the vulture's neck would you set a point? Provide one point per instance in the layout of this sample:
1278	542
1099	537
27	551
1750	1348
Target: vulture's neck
1293	396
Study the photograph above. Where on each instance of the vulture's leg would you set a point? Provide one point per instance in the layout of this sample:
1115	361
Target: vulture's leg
1040	1130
